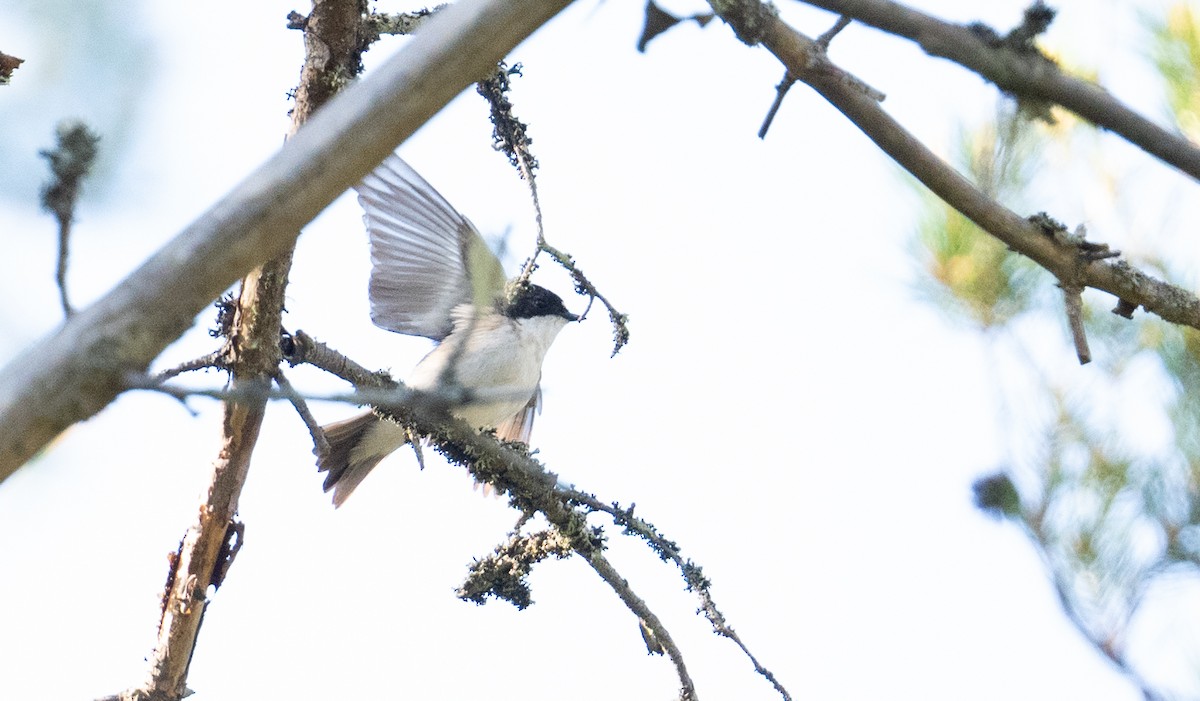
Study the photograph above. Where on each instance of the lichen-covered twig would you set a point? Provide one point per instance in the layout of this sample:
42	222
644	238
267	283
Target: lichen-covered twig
511	136
212	360
70	162
510	470
693	575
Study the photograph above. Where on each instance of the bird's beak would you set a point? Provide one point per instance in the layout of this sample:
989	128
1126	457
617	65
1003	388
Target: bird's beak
570	317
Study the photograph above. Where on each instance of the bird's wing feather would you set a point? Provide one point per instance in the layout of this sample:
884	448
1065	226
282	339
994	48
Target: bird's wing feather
426	258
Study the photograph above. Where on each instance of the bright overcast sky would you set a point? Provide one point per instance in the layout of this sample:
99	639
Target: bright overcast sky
787	409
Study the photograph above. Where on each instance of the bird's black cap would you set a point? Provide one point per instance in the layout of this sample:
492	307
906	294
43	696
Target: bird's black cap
534	300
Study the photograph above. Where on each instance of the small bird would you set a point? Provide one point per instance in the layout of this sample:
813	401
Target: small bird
432	275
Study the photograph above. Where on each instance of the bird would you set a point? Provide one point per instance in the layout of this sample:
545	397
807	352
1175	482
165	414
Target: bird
433	275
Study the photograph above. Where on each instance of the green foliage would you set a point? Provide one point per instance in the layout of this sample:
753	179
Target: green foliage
1175	50
972	276
1105	480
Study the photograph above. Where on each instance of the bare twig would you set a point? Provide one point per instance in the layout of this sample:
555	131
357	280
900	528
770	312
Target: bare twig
781	91
646	618
1073	301
828	35
70	162
1087	252
1021	71
320	444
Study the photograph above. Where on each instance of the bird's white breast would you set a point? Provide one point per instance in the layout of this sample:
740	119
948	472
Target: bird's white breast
501	362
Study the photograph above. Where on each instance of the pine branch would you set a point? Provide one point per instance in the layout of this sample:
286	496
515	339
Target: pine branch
1015	66
1069	258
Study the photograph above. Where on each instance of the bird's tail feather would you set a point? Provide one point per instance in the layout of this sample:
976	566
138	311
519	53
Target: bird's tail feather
345	472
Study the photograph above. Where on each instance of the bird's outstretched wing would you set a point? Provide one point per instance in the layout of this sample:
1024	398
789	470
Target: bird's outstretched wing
426	258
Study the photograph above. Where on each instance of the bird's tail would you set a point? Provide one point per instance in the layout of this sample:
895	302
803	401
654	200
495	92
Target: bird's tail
350	458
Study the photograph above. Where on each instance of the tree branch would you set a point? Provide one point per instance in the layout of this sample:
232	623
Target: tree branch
668	550
1026	74
252	355
77	370
1061	255
507	468
198	562
646	617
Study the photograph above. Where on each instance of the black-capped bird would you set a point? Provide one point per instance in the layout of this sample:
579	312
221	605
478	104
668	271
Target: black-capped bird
432	275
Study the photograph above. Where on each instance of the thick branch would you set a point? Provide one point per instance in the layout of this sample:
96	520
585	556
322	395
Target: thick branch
195	566
1025	74
76	371
252	355
805	60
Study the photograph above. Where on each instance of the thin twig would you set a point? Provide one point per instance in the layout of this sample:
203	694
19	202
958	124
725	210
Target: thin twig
393	395
781	90
1073	301
60	271
320	443
583	286
825	38
511	136
70	162
646	617
696	581
212	360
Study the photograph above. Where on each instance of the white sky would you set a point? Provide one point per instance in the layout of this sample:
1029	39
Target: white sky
787	410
